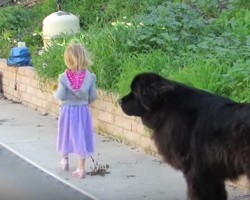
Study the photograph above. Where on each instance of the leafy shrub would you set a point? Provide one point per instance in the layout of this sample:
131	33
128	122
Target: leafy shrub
236	22
47	7
207	8
226	47
240	4
169	27
104	11
15	18
18	23
50	64
89	11
235	82
127	9
5	46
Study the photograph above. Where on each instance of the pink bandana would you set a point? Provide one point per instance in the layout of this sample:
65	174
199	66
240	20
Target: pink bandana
75	78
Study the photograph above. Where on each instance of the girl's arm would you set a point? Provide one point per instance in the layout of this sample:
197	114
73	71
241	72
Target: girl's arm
60	92
92	91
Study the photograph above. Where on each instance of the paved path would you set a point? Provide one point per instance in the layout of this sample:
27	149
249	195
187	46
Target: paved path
133	174
20	180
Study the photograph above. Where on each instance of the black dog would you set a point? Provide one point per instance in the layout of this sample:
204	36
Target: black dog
204	135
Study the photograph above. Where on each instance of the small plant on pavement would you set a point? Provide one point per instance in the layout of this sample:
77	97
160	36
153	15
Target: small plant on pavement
98	169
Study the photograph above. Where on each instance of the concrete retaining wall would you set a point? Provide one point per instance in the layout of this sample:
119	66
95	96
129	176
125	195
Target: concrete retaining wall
22	85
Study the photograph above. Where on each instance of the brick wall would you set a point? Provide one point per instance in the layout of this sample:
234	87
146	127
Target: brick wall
22	85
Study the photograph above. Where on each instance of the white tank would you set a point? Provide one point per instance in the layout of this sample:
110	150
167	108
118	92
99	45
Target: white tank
57	23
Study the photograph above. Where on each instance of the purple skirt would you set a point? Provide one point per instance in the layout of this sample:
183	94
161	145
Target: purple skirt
75	130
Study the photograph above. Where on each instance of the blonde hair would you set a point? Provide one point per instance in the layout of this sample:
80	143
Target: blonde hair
76	56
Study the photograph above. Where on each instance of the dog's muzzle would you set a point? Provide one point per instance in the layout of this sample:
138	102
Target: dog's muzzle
120	102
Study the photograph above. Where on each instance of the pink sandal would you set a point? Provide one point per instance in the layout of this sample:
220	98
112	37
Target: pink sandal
64	164
79	173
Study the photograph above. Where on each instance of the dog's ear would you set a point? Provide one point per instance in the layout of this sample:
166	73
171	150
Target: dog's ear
162	86
154	91
146	102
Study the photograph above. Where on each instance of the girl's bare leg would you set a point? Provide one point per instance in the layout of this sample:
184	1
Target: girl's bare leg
65	162
80	171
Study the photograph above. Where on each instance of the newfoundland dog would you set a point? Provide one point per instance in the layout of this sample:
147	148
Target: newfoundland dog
204	135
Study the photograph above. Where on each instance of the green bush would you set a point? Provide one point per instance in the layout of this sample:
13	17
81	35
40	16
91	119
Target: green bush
205	44
50	64
18	23
236	22
235	82
169	27
15	18
240	4
100	12
5	46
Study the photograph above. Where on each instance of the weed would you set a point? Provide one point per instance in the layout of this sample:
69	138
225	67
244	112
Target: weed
98	169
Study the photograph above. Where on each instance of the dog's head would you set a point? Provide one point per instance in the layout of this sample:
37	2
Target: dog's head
147	91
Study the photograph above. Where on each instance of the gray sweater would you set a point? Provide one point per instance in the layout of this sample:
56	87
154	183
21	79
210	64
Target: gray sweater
83	96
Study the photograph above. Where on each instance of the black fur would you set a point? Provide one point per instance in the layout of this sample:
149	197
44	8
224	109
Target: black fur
204	135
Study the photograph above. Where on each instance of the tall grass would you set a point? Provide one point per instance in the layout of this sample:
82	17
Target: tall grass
155	61
109	50
201	73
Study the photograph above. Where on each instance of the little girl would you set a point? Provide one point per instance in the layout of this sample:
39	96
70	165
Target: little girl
76	90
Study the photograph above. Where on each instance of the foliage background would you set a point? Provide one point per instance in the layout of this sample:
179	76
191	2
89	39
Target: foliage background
203	43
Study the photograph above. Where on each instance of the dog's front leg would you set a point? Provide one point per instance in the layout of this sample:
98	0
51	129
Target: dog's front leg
204	187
